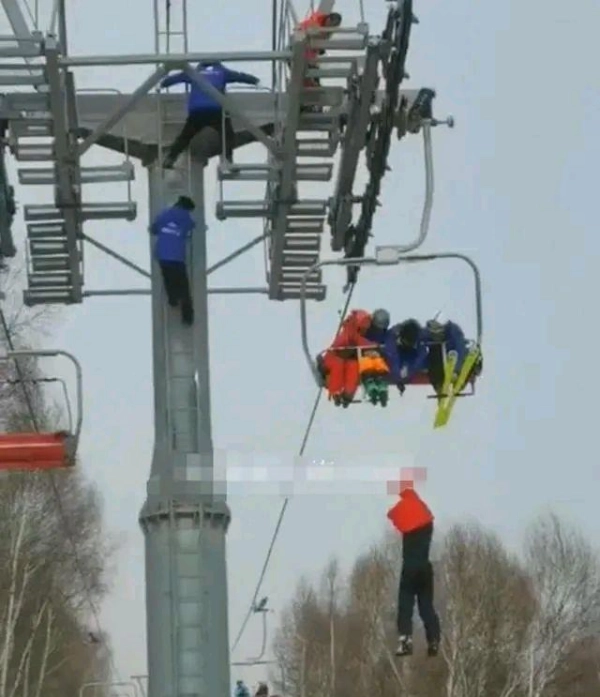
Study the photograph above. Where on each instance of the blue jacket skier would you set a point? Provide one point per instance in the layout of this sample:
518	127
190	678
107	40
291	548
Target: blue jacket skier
173	227
411	350
449	334
203	110
442	338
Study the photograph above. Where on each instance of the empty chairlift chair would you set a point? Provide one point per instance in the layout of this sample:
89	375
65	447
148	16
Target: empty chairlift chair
40	451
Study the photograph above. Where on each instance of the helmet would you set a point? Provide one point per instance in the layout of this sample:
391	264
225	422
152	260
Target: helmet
436	329
408	333
361	320
381	319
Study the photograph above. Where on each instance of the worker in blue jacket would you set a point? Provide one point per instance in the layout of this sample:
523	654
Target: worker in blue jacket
450	337
173	227
411	350
203	110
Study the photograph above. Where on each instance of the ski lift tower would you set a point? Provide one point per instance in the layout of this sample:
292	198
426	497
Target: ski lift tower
302	128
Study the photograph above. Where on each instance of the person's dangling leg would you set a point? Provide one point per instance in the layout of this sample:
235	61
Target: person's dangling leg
351	379
435	368
429	617
185	296
194	123
334	367
169	275
406	605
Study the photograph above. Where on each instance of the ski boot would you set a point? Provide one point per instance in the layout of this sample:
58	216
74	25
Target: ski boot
383	395
405	646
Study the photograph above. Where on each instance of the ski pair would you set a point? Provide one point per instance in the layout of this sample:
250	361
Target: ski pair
452	388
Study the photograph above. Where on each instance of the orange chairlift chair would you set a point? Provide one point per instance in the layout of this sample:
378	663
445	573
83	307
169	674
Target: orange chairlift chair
392	256
21	452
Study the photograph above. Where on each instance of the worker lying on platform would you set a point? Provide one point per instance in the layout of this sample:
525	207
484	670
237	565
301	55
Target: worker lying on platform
173	227
203	110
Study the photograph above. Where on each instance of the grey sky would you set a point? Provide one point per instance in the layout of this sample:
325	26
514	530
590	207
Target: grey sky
516	187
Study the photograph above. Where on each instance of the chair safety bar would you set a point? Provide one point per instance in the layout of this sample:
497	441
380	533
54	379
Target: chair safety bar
15	355
384	256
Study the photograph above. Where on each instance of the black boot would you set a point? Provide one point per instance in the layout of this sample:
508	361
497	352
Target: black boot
433	649
405	646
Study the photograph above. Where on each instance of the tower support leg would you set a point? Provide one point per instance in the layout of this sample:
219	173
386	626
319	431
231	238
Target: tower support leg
185	516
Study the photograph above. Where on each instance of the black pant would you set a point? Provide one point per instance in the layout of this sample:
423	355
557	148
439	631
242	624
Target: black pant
417	583
195	123
177	288
435	366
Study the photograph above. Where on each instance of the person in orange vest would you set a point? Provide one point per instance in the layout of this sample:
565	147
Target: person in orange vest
339	364
413	519
317	19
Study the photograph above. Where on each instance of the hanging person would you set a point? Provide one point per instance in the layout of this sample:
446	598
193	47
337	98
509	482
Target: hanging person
414	521
203	110
173	227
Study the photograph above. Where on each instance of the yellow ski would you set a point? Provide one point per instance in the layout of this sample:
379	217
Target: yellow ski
444	412
449	367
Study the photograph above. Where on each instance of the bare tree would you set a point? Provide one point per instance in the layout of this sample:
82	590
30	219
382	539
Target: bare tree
565	578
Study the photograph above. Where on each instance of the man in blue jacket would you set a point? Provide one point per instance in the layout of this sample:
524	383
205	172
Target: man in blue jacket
173	227
439	336
411	350
203	110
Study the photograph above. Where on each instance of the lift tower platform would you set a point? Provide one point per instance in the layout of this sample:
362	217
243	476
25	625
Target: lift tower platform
311	134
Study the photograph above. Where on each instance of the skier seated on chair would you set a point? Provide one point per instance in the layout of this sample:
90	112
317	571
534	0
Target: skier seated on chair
442	339
411	351
414	521
338	365
203	110
379	365
173	227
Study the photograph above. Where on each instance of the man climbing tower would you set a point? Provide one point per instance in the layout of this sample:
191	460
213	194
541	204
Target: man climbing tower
173	227
203	110
413	519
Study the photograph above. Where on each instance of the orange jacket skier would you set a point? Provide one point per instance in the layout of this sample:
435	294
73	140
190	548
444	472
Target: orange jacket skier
339	362
413	519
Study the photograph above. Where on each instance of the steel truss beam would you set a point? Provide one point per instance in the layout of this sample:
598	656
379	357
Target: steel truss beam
67	189
359	119
285	190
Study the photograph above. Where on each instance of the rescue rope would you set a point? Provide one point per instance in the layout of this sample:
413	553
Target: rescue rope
284	506
56	492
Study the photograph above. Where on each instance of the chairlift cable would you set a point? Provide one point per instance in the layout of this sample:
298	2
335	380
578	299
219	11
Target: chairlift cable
56	492
284	505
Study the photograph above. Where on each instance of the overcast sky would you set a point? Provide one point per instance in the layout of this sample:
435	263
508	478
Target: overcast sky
516	188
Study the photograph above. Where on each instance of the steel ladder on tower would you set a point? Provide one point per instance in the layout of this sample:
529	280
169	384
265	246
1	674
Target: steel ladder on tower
308	127
44	134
